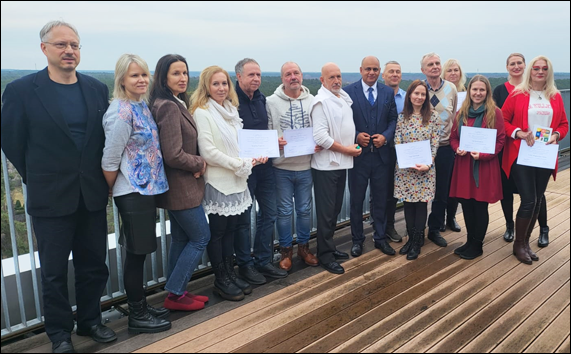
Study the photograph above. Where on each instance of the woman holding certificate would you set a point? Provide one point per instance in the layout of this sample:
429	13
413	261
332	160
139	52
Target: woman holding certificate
214	106
416	185
476	179
535	102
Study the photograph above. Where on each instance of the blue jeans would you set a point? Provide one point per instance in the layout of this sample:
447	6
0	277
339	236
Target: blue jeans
293	186
262	185
189	236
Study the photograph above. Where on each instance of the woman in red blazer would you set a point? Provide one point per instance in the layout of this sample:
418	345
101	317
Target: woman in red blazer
476	178
536	101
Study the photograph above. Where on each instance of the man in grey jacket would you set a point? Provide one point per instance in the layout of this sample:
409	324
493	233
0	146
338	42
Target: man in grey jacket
288	108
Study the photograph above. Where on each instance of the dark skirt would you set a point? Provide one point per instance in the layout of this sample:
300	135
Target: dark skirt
138	223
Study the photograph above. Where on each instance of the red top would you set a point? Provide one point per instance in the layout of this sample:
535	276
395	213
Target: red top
463	184
515	111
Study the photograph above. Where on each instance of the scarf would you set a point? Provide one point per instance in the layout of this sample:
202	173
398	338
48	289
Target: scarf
226	117
479	115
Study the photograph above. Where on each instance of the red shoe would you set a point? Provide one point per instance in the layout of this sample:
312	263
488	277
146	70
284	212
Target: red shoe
182	303
196	297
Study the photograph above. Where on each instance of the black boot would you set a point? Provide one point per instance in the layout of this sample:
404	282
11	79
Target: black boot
404	249
543	240
474	247
242	284
159	312
414	251
224	286
463	248
141	320
510	232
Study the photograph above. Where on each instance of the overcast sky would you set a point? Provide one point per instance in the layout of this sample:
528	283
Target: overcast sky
479	34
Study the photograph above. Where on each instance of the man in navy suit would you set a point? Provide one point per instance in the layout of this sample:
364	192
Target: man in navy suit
375	116
52	134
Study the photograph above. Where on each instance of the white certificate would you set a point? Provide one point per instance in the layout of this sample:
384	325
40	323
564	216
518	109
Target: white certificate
480	140
299	142
461	98
258	143
411	154
539	155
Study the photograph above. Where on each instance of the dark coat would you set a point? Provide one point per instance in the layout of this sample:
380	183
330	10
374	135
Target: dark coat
38	142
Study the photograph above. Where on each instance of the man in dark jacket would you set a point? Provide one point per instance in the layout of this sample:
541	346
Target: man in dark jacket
52	134
262	184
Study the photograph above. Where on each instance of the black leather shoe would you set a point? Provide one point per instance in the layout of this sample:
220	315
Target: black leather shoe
340	255
384	246
269	270
99	333
435	237
510	232
543	240
453	225
357	249
251	275
442	228
63	347
333	267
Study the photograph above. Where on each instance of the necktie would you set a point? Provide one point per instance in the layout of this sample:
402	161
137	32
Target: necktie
371	98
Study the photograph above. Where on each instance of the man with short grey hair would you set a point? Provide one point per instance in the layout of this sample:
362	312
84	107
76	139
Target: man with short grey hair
52	133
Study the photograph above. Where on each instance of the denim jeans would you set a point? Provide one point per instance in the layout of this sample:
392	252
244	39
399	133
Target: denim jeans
262	185
293	186
189	236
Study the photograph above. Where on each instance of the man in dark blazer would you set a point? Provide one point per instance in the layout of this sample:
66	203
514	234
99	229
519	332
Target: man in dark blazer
375	116
52	134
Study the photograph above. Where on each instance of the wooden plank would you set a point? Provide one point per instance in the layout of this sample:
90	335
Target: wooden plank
525	334
490	316
565	346
419	328
551	338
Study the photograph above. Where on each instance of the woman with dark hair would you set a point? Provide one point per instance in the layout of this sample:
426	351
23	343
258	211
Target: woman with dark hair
416	185
476	179
534	102
184	168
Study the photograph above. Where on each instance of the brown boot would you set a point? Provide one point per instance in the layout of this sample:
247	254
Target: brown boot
519	249
285	262
532	254
304	253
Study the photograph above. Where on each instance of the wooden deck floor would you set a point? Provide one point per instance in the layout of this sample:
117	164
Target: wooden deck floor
437	303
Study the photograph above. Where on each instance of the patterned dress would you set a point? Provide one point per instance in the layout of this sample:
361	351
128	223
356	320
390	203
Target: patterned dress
410	185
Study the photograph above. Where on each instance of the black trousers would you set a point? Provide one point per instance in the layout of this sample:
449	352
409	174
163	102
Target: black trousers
391	206
531	183
444	164
221	244
84	233
476	217
329	188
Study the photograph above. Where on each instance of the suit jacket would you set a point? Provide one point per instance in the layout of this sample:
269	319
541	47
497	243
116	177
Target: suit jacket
38	142
179	145
386	117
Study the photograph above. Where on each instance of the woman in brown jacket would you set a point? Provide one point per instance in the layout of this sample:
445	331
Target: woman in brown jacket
184	169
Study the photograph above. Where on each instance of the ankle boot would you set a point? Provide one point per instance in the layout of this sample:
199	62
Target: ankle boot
543	240
465	246
224	286
141	321
285	261
305	254
414	251
404	249
474	247
158	312
242	284
519	249
509	234
532	254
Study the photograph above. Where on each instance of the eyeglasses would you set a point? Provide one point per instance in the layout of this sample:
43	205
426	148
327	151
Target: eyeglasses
537	68
64	45
373	69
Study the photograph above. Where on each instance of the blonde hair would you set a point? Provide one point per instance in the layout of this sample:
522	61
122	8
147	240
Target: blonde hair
121	70
449	63
199	98
490	105
525	86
